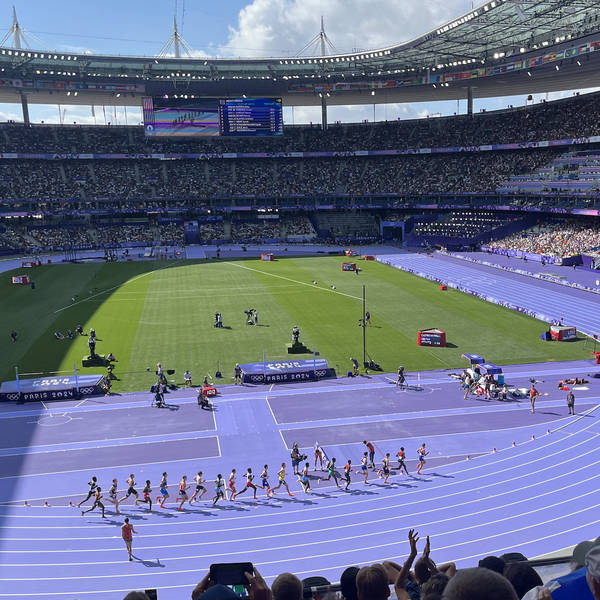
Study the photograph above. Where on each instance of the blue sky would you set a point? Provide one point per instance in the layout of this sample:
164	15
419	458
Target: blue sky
233	28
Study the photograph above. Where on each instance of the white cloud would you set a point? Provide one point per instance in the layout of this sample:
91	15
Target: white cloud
283	27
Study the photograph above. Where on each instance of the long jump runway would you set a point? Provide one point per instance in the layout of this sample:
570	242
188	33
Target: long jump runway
536	496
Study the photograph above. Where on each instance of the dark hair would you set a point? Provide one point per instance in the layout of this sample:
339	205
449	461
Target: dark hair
522	576
422	572
493	563
435	585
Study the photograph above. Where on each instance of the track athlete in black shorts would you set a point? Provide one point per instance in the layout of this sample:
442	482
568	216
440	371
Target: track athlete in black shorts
249	477
331	472
199	481
219	489
347	472
97	503
282	481
183	486
112	496
93	485
131	489
146	492
385	468
401	458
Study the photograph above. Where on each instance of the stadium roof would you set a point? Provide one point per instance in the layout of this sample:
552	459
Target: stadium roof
500	48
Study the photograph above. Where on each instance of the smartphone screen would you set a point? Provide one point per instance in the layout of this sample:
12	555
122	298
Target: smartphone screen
230	573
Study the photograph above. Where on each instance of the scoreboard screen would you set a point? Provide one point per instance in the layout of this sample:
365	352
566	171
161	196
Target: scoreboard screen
251	117
211	117
179	117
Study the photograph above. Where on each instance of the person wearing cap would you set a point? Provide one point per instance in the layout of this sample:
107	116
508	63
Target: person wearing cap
348	583
582	583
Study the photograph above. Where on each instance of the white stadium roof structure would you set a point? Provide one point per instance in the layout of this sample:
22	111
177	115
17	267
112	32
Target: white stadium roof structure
500	48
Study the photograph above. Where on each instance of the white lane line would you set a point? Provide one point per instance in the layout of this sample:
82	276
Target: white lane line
310	285
312	556
329	540
401	495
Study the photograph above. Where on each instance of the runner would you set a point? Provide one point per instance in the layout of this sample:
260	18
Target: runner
249	477
401	458
533	394
126	531
183	486
318	456
282	481
265	481
347	471
219	489
371	448
421	453
164	490
331	472
199	481
97	503
131	489
93	485
304	480
363	468
112	496
231	485
146	492
385	468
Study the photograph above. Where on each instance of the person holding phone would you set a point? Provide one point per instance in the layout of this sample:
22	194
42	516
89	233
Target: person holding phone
245	574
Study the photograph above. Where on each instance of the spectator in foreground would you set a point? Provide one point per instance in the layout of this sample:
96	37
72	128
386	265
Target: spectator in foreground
287	587
523	577
348	583
582	584
479	584
493	563
136	596
372	583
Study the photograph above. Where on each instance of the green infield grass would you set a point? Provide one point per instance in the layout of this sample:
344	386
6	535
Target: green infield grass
149	312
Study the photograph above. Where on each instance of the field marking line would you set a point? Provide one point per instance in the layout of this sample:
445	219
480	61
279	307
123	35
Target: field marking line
157	462
271	411
110	289
78	404
311	286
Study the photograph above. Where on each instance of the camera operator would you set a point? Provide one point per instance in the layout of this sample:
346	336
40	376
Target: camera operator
296	457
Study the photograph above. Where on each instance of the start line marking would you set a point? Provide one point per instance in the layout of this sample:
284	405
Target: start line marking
310	285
